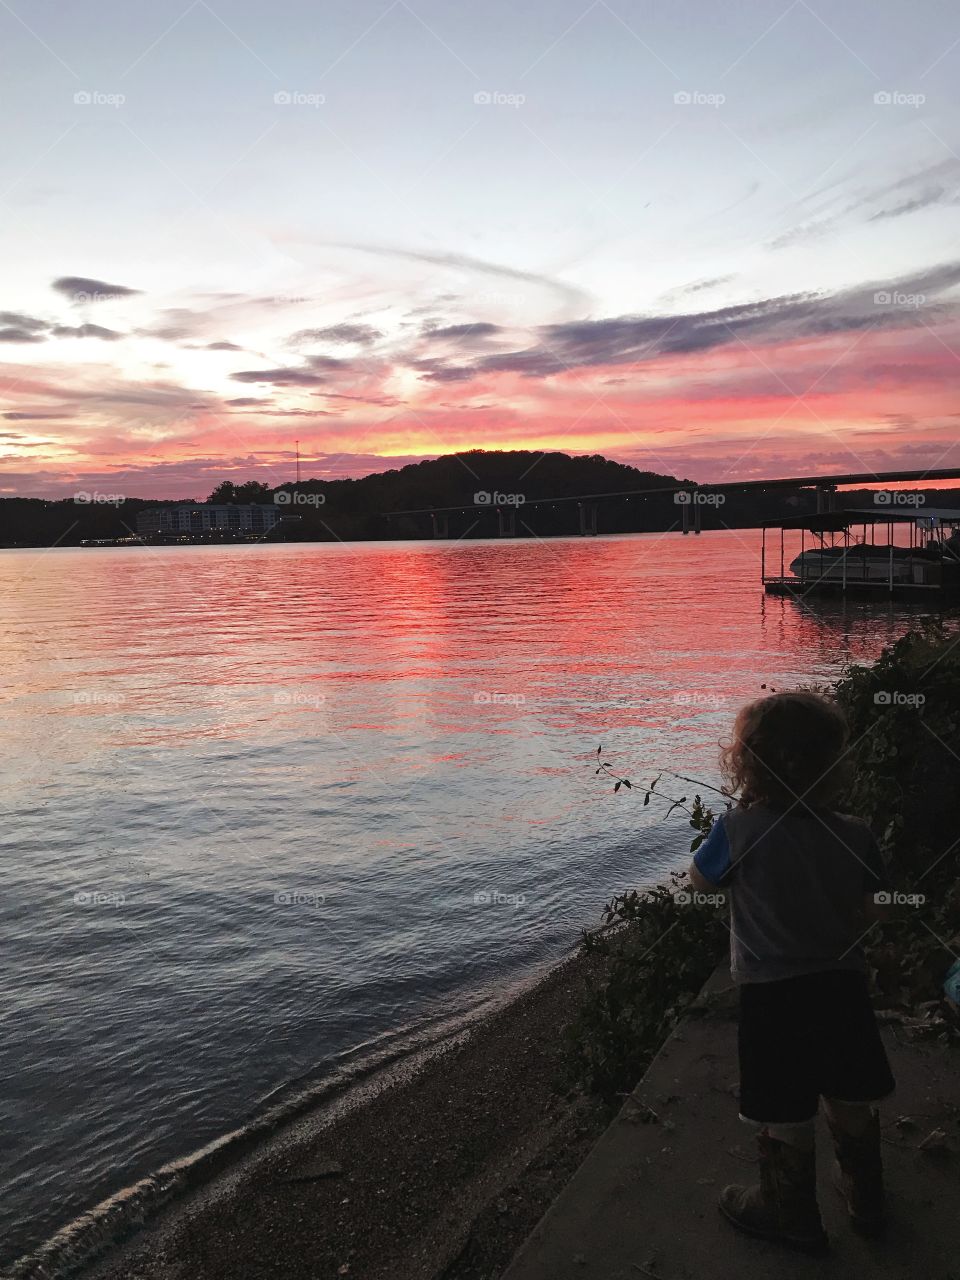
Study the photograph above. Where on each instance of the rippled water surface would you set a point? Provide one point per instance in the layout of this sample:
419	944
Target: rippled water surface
264	806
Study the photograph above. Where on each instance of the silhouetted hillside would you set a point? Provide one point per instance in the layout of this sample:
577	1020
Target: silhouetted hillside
348	508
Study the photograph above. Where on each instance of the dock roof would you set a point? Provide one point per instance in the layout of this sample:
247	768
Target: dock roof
833	521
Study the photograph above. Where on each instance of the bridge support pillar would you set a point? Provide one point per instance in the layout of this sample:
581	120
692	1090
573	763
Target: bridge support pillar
507	522
826	498
588	518
441	524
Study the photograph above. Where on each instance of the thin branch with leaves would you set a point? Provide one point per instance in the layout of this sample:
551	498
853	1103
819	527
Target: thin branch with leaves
701	818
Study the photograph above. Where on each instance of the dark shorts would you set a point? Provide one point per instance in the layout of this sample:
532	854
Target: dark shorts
804	1038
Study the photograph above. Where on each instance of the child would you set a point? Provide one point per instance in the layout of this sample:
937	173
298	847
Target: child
803	883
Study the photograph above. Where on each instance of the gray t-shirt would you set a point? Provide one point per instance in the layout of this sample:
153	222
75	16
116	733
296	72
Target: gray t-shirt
796	881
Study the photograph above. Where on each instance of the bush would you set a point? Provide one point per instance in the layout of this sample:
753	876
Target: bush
904	715
652	956
652	965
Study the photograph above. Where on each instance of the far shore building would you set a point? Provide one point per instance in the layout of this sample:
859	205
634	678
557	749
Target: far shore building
197	518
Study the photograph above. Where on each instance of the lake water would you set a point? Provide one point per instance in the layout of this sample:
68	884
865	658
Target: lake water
269	808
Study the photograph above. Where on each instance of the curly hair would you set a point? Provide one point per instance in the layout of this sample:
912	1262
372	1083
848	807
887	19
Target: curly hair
787	749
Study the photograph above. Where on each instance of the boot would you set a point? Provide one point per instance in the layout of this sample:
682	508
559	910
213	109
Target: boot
784	1205
858	1174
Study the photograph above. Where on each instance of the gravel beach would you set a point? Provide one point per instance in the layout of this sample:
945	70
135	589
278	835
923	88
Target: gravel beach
443	1173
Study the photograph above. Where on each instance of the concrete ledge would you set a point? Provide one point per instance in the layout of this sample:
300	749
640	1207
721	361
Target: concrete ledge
644	1201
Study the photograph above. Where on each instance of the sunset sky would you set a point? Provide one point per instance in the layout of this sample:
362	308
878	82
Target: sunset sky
716	240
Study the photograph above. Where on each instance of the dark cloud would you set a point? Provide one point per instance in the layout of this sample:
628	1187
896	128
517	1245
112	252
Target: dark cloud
932	185
16	320
223	346
245	400
934	195
476	330
327	364
85	331
361	334
14	416
677	295
281	377
312	374
633	339
438	371
711	283
21	328
21	441
803	231
159	395
390	402
17	333
296	413
85	289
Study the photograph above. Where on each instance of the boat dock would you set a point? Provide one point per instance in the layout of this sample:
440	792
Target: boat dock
900	552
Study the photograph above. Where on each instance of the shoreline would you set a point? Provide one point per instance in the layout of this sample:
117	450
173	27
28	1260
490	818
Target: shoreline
463	1117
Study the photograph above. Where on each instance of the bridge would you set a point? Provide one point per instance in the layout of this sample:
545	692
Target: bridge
695	498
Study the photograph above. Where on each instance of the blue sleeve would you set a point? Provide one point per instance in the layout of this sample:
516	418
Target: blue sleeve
712	859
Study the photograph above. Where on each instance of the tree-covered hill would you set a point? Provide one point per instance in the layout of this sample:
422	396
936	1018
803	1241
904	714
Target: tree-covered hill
349	508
